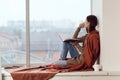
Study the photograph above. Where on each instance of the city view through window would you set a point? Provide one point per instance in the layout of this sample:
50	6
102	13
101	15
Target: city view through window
48	20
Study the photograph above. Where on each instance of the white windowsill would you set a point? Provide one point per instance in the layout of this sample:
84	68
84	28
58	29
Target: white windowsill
82	74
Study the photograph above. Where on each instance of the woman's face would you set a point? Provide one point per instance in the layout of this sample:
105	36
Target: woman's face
87	24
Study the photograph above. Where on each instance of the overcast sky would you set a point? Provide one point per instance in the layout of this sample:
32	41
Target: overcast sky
75	10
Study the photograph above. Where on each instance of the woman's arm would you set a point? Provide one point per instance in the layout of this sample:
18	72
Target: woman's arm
82	39
80	48
75	35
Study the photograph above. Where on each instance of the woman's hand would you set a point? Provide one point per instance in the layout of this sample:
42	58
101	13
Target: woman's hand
73	43
81	25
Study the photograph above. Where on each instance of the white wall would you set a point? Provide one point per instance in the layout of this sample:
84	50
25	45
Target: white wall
108	12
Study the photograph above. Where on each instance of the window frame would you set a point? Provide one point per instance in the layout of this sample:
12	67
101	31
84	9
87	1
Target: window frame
27	27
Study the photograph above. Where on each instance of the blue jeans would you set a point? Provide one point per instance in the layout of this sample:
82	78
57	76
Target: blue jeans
68	47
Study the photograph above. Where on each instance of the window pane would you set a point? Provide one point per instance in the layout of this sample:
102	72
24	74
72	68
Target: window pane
12	32
48	19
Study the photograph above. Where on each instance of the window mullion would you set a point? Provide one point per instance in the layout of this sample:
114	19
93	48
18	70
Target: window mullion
27	35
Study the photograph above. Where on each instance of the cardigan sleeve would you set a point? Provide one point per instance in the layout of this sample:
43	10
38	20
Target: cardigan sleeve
92	50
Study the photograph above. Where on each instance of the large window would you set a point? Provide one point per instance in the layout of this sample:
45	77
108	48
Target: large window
48	19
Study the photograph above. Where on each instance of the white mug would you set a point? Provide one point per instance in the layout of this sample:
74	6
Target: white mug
97	67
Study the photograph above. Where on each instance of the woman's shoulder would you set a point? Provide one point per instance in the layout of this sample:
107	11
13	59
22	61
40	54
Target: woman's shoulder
94	34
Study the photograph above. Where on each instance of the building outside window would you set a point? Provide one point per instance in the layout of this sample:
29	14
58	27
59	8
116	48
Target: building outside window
12	22
48	19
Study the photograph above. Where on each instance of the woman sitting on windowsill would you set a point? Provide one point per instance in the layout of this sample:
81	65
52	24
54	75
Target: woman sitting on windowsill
89	51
